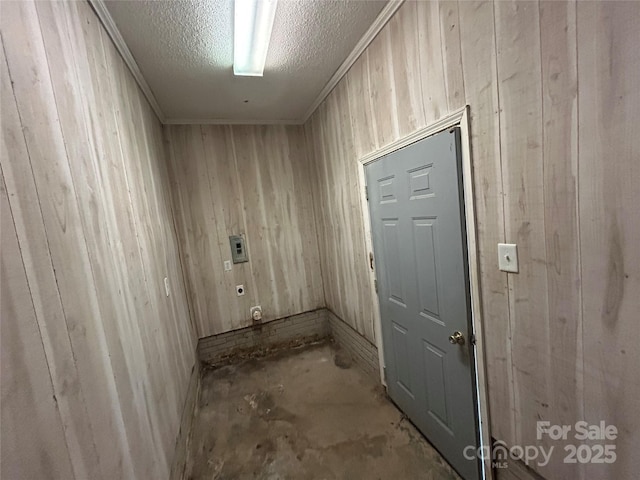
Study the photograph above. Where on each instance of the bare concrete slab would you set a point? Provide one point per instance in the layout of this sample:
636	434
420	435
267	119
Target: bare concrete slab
304	414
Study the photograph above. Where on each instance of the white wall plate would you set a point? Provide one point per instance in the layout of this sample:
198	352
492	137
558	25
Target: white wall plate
508	257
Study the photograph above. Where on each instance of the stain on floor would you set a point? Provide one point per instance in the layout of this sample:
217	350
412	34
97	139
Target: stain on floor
304	414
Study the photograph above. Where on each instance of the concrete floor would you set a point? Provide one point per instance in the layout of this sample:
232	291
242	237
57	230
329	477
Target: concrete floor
304	414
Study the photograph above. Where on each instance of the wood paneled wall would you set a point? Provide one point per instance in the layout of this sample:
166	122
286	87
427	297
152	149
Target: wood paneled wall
96	359
249	180
552	88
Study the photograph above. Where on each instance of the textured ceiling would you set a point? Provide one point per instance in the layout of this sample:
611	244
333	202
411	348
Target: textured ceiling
184	49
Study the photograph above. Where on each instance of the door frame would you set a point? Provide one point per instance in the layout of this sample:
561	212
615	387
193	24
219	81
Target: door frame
458	118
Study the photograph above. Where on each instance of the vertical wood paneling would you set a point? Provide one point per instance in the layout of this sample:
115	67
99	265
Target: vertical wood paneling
480	78
350	252
61	213
315	148
434	91
452	54
552	89
166	339
90	192
519	83
405	66
609	169
198	234
326	226
382	89
563	371
44	291
554	167
33	442
307	238
230	216
253	148
359	107
251	180
83	162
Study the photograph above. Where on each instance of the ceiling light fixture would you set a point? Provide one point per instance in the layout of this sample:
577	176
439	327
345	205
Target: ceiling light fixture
253	22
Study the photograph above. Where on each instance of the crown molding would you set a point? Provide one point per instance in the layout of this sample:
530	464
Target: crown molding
105	18
229	121
385	15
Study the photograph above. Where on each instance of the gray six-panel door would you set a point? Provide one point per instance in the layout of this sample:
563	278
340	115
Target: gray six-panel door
418	229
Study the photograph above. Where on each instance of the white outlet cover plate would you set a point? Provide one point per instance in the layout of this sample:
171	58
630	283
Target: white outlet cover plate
508	257
227	265
240	290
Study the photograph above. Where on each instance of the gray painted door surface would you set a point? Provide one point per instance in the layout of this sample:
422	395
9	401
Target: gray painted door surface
419	239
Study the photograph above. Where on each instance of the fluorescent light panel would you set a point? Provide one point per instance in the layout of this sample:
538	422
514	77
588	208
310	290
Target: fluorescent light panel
253	22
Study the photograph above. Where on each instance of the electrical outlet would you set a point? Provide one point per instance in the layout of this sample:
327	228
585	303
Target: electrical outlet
227	265
239	290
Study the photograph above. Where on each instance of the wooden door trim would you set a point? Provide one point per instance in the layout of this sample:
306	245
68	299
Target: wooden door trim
458	118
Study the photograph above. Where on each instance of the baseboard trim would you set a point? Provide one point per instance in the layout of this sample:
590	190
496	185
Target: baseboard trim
181	454
362	351
286	332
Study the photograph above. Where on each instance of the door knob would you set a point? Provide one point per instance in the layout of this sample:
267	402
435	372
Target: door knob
457	337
